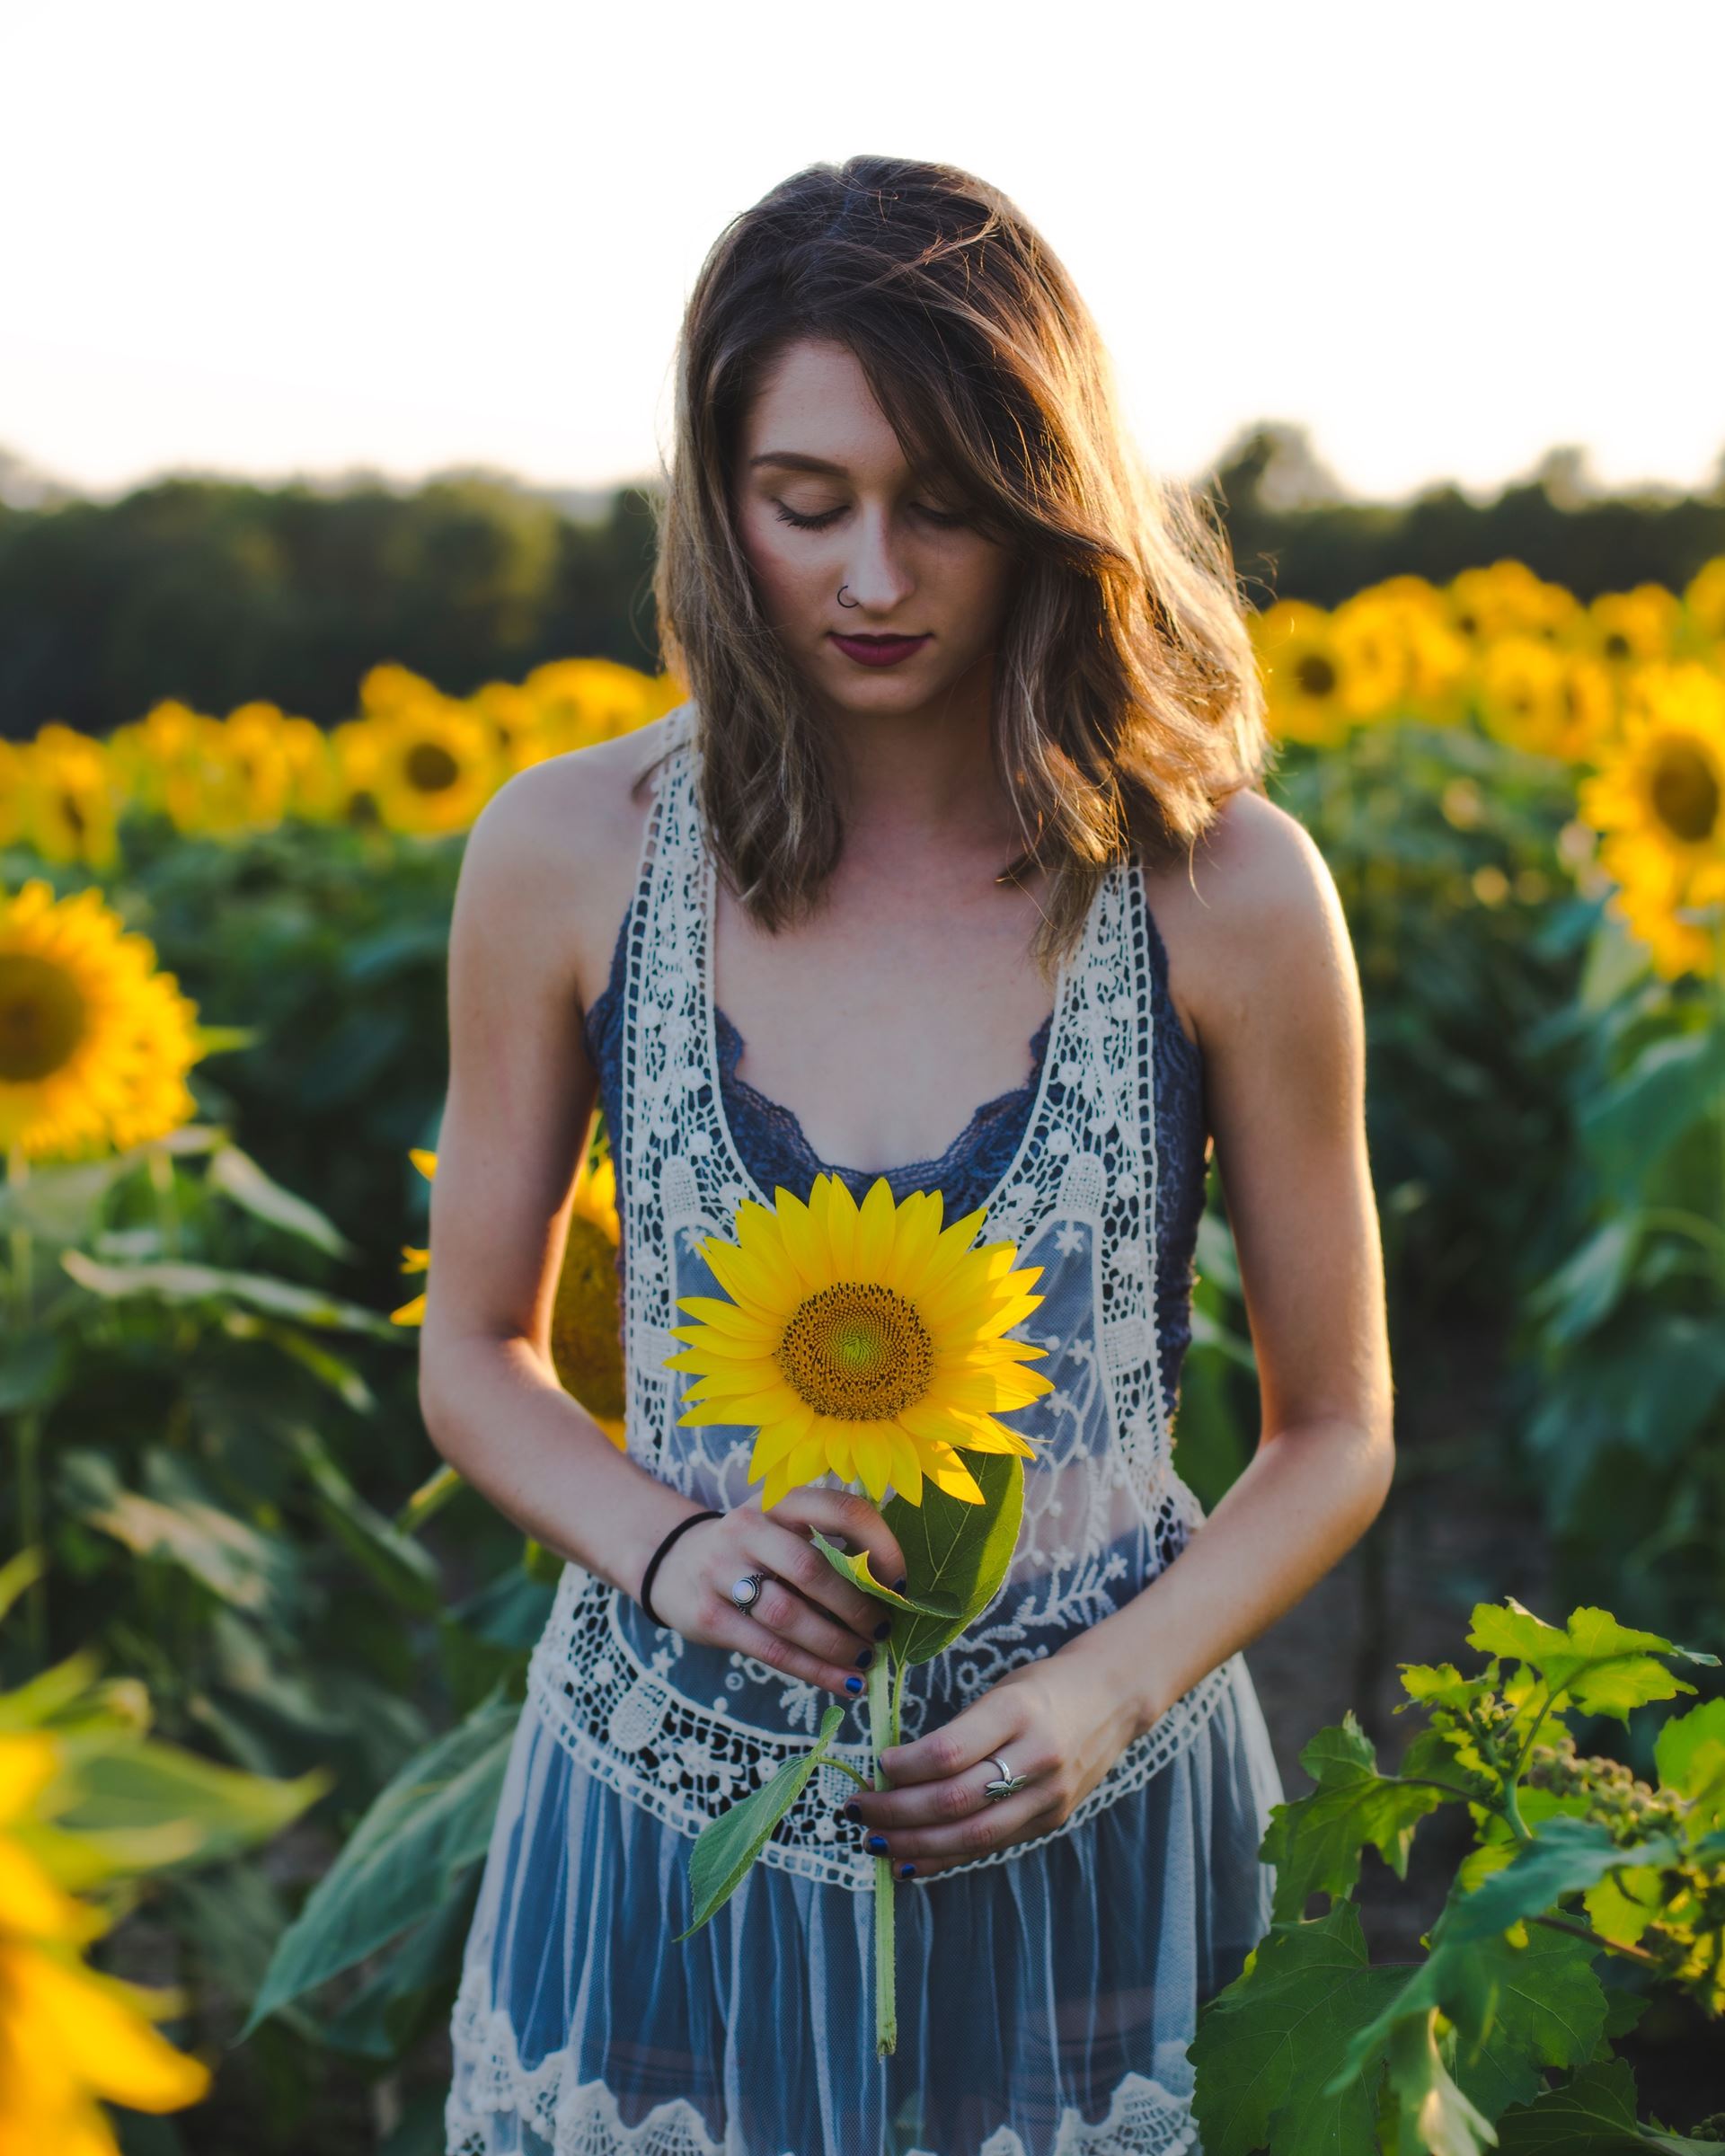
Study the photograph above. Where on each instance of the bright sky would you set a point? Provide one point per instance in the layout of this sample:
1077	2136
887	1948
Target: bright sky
267	240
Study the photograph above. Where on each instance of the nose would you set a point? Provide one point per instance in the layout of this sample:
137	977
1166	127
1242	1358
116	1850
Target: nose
875	579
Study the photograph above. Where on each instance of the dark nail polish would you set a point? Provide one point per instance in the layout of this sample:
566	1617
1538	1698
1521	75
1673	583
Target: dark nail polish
898	1585
906	1871
852	1684
854	1808
877	1841
865	1658
883	1627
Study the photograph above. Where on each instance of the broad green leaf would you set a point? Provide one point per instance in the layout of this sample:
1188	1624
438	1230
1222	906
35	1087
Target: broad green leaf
20	1571
1689	1756
1523	2008
854	1565
1268	2044
1314	1842
423	1832
400	1565
335	1372
1457	1974
1585	1288
50	1693
35	1368
1439	1685
1673	1084
1624	1904
1432	2112
1593	2114
182	1282
728	1845
119	1788
1602	1666
429	1498
957	1550
62	1199
239	1177
177	1522
383	2016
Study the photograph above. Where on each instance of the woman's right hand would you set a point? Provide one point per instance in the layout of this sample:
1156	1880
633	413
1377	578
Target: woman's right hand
807	1621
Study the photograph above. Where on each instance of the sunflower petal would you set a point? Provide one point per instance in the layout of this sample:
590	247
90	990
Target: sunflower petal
875	1227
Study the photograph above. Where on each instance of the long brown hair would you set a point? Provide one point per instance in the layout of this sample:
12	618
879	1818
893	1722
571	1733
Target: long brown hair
1127	703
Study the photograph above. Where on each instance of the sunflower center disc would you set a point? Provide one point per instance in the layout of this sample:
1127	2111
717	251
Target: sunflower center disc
857	1349
41	1017
1685	794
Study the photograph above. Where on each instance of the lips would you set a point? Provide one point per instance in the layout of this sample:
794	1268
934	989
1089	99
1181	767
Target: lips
878	651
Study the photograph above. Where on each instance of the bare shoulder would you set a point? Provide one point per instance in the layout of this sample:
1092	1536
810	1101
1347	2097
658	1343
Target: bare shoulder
1252	923
555	849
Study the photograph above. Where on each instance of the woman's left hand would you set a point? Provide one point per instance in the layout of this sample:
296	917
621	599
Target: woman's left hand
1060	1720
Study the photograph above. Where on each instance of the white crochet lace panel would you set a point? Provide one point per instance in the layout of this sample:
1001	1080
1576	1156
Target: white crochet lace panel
1145	2117
683	1728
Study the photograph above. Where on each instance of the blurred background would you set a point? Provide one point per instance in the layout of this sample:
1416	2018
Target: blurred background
334	389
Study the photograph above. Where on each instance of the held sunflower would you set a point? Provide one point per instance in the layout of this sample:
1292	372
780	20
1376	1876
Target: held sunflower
867	1341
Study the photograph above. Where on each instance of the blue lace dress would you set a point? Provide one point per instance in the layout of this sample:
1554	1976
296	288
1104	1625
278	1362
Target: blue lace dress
1112	2006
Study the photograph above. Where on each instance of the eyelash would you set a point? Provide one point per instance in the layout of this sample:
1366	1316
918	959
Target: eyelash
819	524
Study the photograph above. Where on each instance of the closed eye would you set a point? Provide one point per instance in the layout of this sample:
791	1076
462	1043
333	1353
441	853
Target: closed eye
826	517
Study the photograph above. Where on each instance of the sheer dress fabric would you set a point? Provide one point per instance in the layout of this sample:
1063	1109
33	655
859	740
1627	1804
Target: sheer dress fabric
1046	1992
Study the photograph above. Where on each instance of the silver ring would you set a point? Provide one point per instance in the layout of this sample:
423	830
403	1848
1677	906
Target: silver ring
1009	1783
747	1591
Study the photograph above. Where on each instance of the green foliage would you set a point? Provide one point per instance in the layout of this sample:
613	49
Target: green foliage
423	1835
1312	2048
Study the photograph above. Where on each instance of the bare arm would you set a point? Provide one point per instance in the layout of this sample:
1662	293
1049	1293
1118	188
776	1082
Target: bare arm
1284	1043
521	1094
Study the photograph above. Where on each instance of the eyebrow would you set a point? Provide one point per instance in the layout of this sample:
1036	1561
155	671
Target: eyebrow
795	461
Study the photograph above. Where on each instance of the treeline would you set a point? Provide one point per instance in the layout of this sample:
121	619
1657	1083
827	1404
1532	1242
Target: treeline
217	592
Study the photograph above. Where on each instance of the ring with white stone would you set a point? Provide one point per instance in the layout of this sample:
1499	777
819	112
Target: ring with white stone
747	1592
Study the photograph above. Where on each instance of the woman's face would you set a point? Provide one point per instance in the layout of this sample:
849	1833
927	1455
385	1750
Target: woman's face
825	498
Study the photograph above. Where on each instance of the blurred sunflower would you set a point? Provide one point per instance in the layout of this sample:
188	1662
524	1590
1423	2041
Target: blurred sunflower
863	1339
585	700
1303	674
431	765
95	1041
1628	628
1659	803
1535	696
1704	599
69	2035
586	1325
69	805
1507	599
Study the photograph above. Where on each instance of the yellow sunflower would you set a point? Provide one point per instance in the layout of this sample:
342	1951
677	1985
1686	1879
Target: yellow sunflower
94	1042
585	1323
865	1339
68	2035
1659	802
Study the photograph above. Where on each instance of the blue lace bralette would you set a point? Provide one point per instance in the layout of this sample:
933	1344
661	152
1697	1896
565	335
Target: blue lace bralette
775	1149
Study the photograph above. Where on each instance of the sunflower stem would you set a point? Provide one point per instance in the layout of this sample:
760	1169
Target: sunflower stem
883	1734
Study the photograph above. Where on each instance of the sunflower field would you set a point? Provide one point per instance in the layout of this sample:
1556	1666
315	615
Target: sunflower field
222	950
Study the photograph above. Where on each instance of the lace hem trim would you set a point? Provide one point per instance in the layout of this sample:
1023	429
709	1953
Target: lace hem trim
1144	2117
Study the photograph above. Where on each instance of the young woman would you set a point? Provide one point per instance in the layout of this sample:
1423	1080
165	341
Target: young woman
969	781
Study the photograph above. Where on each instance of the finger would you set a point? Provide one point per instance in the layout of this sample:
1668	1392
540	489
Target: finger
843	1609
864	1529
985	1827
788	1635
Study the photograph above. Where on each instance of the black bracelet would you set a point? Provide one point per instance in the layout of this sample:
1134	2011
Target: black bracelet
653	1563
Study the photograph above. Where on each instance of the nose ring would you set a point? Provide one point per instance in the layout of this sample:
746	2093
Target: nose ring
843	600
